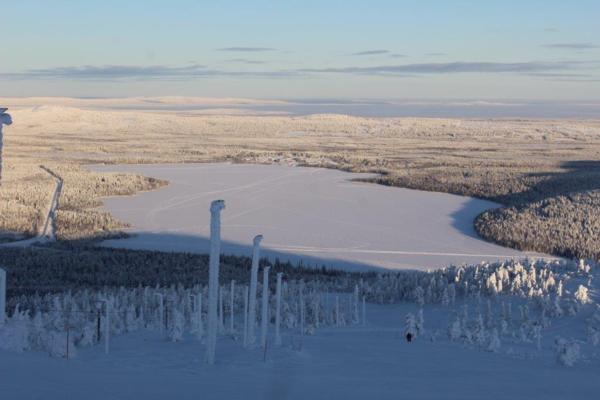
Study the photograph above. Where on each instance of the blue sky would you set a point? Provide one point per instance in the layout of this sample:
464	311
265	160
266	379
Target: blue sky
317	49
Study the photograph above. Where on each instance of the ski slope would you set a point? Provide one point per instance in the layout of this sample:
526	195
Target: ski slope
353	362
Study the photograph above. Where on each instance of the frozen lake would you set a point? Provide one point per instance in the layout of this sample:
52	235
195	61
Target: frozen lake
317	215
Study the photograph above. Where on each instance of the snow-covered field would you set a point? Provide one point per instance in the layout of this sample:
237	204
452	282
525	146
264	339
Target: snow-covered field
352	362
313	214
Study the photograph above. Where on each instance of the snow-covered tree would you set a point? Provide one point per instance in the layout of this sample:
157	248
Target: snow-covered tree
410	325
494	341
582	294
567	351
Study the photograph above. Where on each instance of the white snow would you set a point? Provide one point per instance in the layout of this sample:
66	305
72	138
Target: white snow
316	215
336	363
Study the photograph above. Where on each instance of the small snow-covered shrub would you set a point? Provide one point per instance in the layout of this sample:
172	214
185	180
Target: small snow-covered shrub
582	294
567	351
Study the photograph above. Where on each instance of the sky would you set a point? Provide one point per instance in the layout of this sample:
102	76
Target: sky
434	49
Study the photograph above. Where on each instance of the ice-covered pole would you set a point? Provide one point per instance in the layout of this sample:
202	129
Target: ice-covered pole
5	119
2	296
231	304
278	310
221	324
213	278
245	316
253	285
265	308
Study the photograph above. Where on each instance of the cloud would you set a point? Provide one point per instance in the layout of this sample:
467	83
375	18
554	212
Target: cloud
448	68
574	46
370	52
551	29
435	54
396	55
243	49
556	69
244	61
119	72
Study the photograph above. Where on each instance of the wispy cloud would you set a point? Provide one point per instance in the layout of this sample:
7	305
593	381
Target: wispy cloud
556	69
551	29
243	49
448	68
396	55
119	72
370	52
435	54
574	46
244	61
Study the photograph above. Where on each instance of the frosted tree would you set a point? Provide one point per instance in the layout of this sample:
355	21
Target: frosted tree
537	336
253	286
452	293
567	351
161	312
494	342
265	308
231	307
582	295
420	323
479	331
364	311
419	296
5	119
410	326
355	308
213	278
445	298
177	326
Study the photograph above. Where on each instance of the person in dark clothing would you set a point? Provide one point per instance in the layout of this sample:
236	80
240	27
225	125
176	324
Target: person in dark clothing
409	337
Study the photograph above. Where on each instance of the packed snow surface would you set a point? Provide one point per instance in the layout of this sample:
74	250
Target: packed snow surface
336	363
315	215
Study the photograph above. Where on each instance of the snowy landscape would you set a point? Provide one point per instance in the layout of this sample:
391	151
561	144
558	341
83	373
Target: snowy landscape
383	199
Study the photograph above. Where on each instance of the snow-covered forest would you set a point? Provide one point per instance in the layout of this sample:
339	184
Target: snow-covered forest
490	307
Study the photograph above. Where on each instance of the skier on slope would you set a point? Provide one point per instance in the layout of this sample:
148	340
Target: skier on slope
5	119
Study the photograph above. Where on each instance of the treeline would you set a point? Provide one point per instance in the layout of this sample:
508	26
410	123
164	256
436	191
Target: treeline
62	268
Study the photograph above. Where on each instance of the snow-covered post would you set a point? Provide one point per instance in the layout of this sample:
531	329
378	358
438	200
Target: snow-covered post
5	119
2	296
265	308
232	302
161	313
253	285
221	323
245	316
213	278
278	310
